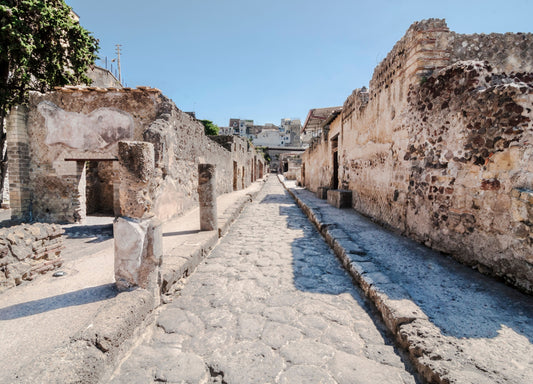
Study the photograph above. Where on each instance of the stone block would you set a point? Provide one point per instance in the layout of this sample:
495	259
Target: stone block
207	197
27	250
138	158
138	252
322	192
135	173
340	198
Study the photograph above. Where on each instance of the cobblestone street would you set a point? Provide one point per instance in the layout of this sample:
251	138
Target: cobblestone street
270	304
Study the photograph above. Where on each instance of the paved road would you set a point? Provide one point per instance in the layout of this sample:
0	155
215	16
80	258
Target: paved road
271	304
478	330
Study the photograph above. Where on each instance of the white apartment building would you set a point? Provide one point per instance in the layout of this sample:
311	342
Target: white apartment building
268	135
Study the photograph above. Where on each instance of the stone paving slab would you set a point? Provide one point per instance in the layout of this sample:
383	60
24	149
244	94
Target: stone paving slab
184	246
457	325
74	328
270	304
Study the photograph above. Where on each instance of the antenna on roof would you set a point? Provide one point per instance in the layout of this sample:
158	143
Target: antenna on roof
118	63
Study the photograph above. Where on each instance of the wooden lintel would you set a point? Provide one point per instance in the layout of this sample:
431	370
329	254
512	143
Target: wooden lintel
92	159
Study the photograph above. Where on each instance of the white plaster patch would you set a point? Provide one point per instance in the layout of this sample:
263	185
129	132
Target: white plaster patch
98	129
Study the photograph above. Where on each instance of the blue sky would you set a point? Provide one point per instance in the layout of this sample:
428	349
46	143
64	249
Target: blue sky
267	60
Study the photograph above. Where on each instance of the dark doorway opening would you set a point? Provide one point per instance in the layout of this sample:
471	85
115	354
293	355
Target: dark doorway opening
235	176
100	177
335	150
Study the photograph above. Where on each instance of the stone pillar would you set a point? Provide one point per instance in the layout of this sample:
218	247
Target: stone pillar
207	197
138	235
136	169
138	253
18	151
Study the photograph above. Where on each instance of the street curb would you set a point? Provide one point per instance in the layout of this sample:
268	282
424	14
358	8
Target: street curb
403	317
92	353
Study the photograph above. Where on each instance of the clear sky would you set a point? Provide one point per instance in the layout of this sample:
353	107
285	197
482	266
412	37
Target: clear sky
267	60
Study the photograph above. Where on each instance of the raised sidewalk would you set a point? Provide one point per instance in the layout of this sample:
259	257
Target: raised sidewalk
457	325
74	329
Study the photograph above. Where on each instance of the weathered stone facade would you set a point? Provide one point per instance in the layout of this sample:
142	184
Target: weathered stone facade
440	147
63	149
290	164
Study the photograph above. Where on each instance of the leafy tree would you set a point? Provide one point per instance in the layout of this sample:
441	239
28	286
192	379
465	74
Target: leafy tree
210	128
265	153
41	46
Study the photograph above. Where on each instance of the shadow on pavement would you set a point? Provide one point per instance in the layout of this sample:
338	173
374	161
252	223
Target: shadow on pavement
315	267
70	299
460	301
179	233
102	232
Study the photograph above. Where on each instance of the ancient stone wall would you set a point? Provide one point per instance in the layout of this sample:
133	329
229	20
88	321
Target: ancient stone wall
470	155
63	152
444	155
317	171
28	250
423	49
180	145
509	52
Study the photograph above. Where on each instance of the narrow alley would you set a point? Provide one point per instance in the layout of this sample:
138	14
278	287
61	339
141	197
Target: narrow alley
270	304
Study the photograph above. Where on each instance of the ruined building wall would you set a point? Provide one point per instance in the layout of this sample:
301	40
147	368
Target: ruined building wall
509	52
320	155
318	166
441	149
180	145
470	155
62	148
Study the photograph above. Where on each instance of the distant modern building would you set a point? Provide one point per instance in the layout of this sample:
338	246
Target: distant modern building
268	135
291	132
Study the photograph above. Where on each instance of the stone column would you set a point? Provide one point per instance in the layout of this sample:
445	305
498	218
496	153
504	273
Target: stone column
18	150
138	235
207	197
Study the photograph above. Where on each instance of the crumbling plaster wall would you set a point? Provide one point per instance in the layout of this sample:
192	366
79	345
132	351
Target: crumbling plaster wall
441	149
77	123
318	169
45	139
320	174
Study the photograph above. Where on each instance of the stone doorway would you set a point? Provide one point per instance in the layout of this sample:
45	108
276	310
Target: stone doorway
100	177
235	176
335	150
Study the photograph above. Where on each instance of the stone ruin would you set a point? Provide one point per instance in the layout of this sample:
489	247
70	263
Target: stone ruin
440	147
63	153
125	152
28	250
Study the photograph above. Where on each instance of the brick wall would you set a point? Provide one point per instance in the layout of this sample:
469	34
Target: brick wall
18	152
